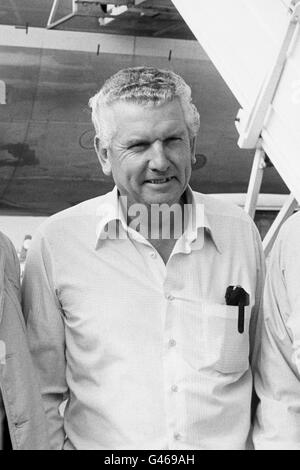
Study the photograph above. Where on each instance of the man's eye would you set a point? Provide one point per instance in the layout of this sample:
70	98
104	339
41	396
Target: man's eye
173	139
138	145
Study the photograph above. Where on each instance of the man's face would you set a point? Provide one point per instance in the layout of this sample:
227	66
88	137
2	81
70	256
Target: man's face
150	154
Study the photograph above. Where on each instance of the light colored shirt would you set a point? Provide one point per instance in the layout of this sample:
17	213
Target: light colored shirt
147	353
278	378
25	423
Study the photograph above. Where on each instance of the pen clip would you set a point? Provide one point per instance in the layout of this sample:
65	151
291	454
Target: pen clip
243	302
241	319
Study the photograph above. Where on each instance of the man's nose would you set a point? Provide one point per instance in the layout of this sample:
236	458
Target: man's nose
158	159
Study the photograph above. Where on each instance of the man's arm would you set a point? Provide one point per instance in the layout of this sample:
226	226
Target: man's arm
12	265
12	271
46	334
278	374
256	318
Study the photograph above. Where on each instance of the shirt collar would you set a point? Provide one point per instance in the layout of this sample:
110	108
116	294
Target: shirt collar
110	211
199	222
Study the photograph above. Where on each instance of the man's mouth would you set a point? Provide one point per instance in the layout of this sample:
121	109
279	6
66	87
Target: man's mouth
159	180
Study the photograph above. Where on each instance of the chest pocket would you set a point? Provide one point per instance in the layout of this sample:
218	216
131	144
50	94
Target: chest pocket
226	350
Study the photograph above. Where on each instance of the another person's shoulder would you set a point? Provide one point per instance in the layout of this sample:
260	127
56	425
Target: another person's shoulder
286	250
6	247
10	262
5	243
290	231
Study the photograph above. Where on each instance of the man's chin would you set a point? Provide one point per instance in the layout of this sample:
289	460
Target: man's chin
161	199
159	194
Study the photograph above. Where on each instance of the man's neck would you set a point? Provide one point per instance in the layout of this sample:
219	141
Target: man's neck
161	222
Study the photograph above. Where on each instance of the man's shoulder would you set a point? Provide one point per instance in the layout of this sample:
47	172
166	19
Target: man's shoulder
85	210
216	208
5	243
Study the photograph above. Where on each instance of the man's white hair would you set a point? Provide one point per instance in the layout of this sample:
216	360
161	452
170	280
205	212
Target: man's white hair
147	86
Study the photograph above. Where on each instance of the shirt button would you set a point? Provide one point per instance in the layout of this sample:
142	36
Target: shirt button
172	343
174	388
153	254
177	436
170	297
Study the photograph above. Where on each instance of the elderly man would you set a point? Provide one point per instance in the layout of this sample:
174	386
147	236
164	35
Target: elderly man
22	419
278	377
125	293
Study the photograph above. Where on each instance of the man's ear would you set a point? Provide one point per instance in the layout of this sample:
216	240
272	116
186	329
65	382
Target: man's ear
193	149
102	154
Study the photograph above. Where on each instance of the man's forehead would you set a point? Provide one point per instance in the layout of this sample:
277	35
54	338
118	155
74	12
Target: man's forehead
135	116
140	130
133	109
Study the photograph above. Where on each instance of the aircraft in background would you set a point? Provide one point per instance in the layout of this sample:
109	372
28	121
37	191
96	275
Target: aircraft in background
47	160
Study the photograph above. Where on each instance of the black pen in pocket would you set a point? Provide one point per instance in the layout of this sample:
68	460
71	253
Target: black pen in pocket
237	296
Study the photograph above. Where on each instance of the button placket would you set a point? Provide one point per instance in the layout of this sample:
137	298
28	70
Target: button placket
172	392
171	359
